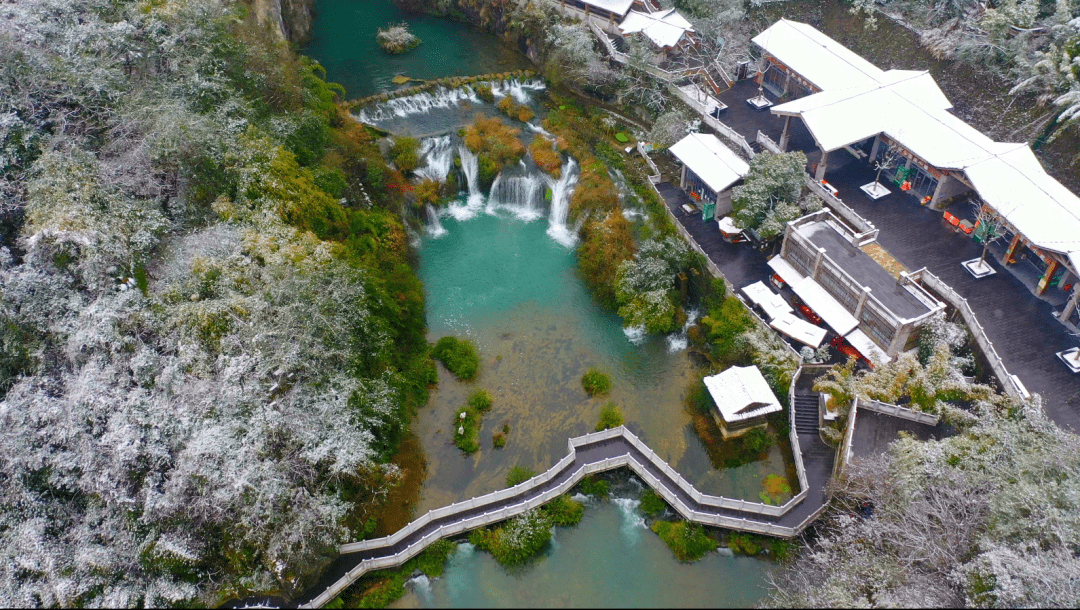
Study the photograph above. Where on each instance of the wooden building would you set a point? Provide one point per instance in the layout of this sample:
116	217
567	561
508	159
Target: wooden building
742	398
708	169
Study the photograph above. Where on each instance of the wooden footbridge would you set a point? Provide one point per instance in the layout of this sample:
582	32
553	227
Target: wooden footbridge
596	452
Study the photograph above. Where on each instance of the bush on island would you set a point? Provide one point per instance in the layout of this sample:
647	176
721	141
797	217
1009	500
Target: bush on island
396	39
458	356
687	540
595	382
610	417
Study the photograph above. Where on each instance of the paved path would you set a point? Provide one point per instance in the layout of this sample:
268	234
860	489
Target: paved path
1021	325
591	453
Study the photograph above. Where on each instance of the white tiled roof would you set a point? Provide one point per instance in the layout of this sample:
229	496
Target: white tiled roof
713	162
615	6
910	108
664	28
818	58
741	392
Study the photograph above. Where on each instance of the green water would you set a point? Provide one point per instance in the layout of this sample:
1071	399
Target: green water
343	41
513	290
608	560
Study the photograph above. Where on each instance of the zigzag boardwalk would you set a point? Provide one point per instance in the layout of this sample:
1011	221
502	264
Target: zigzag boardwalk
594	453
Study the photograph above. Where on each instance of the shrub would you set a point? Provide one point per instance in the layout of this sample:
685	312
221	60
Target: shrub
744	544
514	111
545	156
466	429
595	382
396	39
517	540
379	589
519	474
605	243
774	488
491	139
564	511
725	324
595	487
652	504
610	417
483	91
480	400
406	153
458	356
688	541
498	440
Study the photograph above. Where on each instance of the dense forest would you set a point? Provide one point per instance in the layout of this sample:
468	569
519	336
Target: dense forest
211	337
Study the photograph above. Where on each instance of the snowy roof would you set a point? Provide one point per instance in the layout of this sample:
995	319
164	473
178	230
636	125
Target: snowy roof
909	108
860	341
741	392
618	7
773	304
824	305
818	58
664	28
798	329
713	162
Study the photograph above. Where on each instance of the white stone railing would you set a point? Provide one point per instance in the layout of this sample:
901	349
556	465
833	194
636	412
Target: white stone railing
865	231
901	412
711	121
767	143
978	333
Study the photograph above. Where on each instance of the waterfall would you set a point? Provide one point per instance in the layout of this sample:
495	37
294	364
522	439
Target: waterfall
417	104
516	89
540	130
519	194
632	521
475	201
434	228
560	204
676	342
440	157
635	334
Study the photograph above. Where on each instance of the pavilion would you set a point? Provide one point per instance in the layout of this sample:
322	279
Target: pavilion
743	399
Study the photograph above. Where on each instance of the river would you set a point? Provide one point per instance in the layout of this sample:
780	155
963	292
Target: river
499	268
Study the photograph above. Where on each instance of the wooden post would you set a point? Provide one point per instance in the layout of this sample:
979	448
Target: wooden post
1071	305
1049	275
822	164
785	134
682	178
1013	245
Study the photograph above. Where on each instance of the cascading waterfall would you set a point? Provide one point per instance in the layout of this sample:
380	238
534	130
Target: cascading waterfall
676	342
417	104
540	130
520	194
440	158
560	204
632	520
475	202
434	228
516	89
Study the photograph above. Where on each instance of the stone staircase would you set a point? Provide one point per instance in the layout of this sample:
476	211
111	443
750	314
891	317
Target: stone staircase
806	414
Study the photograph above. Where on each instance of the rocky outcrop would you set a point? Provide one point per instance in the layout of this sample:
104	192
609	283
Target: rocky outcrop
291	19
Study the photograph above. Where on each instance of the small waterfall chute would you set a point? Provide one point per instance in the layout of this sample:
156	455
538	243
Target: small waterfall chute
517	89
561	190
470	166
518	191
434	227
440	158
677	342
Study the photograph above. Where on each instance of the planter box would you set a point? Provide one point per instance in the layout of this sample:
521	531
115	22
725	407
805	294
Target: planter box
978	271
1070	358
874	190
759	103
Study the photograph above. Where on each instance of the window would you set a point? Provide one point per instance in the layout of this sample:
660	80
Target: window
834	284
875	326
697	186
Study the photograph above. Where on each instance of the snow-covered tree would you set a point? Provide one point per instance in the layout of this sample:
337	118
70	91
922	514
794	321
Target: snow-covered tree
772	193
645	285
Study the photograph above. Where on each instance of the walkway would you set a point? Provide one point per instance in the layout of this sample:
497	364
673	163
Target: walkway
591	453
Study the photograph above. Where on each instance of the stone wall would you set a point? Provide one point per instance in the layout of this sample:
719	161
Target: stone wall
291	19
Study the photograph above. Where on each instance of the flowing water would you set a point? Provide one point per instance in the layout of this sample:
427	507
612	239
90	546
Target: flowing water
343	41
608	560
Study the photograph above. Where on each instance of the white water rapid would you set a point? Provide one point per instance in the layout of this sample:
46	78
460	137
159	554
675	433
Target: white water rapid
516	89
475	201
440	158
434	227
676	342
519	194
417	104
560	204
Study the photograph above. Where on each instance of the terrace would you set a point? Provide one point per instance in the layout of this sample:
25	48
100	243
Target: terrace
1019	323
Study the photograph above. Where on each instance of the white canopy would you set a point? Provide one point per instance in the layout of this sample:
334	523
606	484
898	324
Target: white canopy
664	28
825	306
727	225
741	392
799	329
816	57
773	304
866	346
713	162
615	6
